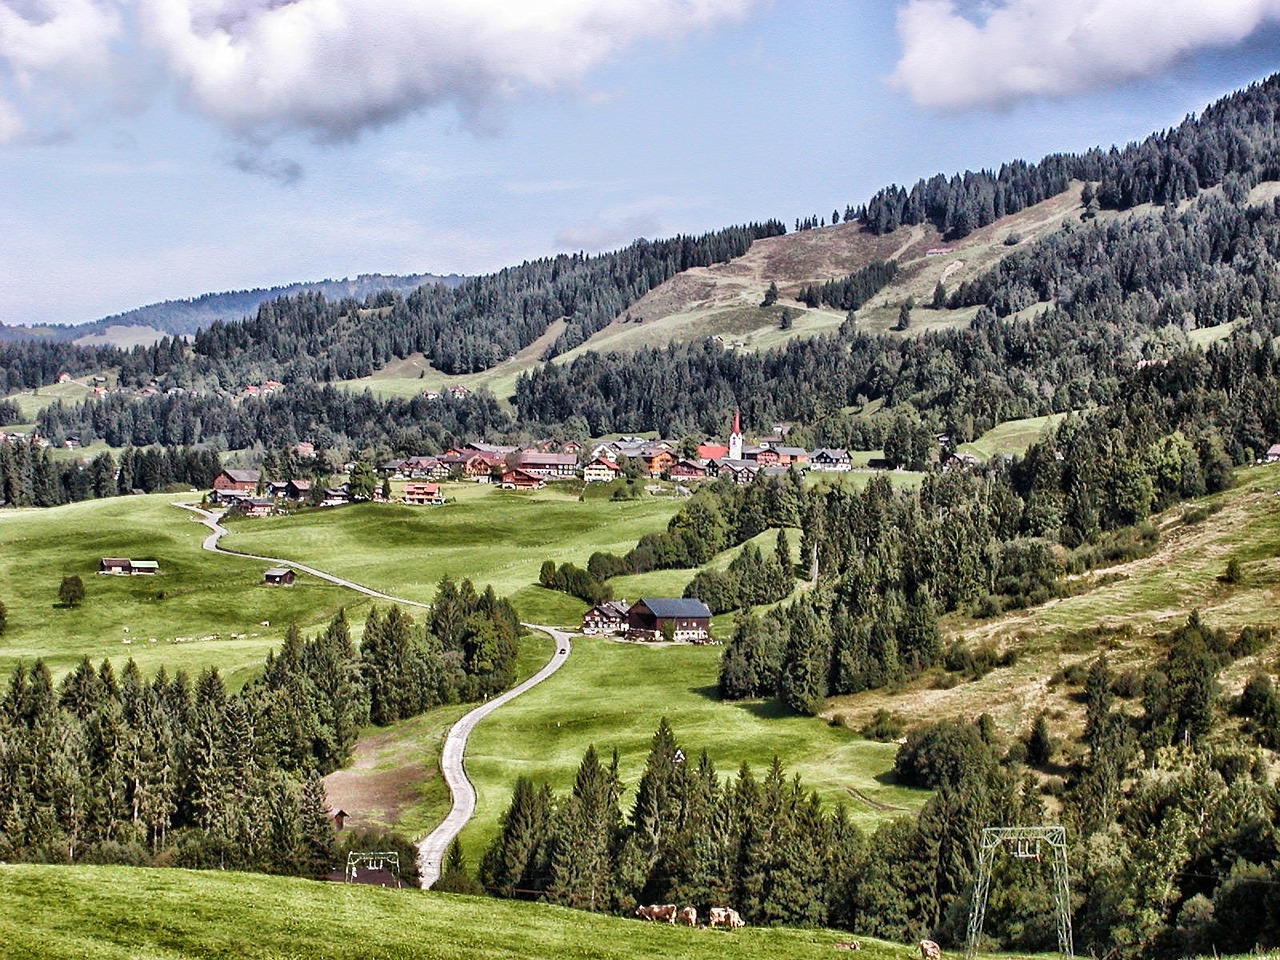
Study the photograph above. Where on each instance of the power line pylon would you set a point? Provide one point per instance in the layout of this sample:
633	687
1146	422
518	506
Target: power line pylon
1023	843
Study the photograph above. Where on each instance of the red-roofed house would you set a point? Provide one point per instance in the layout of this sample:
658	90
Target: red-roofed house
601	470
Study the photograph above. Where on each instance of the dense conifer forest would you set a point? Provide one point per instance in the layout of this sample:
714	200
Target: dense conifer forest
109	767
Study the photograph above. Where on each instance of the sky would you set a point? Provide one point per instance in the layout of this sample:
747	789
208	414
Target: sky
161	149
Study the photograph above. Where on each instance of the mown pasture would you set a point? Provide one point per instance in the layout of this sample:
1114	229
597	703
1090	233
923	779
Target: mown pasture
124	913
613	694
199	597
488	535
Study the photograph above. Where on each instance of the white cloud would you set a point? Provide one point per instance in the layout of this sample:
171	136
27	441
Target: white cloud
336	68
1014	49
332	69
71	38
609	234
11	124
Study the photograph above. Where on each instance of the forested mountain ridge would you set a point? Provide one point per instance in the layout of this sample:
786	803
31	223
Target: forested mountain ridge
181	317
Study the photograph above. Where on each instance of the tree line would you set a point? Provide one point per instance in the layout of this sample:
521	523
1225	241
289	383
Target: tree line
107	768
1233	142
30	476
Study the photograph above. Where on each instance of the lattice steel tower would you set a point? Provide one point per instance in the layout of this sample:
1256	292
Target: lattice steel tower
1023	843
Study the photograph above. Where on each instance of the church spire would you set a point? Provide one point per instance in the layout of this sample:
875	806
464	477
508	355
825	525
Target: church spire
735	438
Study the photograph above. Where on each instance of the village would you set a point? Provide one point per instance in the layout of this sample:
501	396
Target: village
419	480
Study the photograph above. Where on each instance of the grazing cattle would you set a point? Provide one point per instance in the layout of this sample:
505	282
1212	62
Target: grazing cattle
657	911
725	917
930	950
688	916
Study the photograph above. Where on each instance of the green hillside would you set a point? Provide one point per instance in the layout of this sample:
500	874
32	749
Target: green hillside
200	610
120	912
1116	609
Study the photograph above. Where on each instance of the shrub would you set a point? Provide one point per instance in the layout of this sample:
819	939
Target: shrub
884	726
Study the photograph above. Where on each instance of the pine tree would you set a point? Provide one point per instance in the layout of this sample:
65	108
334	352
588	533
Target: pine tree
318	848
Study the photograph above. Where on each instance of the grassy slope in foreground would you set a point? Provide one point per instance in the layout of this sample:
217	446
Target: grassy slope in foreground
112	913
196	594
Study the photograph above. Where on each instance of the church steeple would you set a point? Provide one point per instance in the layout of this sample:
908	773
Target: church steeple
735	438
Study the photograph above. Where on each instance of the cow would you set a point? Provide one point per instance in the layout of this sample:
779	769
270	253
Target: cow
657	911
688	916
725	917
930	950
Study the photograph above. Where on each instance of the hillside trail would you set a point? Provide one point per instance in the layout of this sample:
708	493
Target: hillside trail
431	850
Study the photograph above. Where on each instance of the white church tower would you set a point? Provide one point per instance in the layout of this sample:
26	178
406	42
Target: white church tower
735	438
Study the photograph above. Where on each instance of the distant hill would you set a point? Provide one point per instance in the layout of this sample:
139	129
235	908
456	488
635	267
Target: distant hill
145	325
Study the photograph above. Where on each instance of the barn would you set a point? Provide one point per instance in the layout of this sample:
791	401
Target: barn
682	620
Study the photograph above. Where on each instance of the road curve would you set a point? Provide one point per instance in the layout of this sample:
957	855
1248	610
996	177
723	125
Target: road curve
431	851
211	544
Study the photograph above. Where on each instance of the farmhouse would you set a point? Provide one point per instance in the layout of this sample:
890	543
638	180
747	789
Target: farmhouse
279	577
516	479
606	618
789	455
121	566
547	465
683	620
688	470
830	459
657	460
1273	453
237	481
423	493
254	506
601	470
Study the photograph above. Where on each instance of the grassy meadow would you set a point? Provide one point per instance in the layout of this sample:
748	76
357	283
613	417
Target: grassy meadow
197	596
1012	436
123	913
491	536
614	694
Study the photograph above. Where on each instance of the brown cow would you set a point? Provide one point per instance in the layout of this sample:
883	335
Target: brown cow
688	916
930	950
725	917
657	911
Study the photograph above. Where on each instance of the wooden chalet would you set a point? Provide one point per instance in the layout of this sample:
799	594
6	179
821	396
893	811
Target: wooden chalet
682	620
237	481
606	618
423	494
688	470
792	455
657	460
254	506
601	470
279	577
742	472
764	456
830	460
549	466
517	479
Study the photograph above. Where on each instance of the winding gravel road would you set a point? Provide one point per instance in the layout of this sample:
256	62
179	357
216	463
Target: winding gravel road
431	850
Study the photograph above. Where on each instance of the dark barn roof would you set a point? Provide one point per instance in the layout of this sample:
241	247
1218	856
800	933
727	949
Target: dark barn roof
665	608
